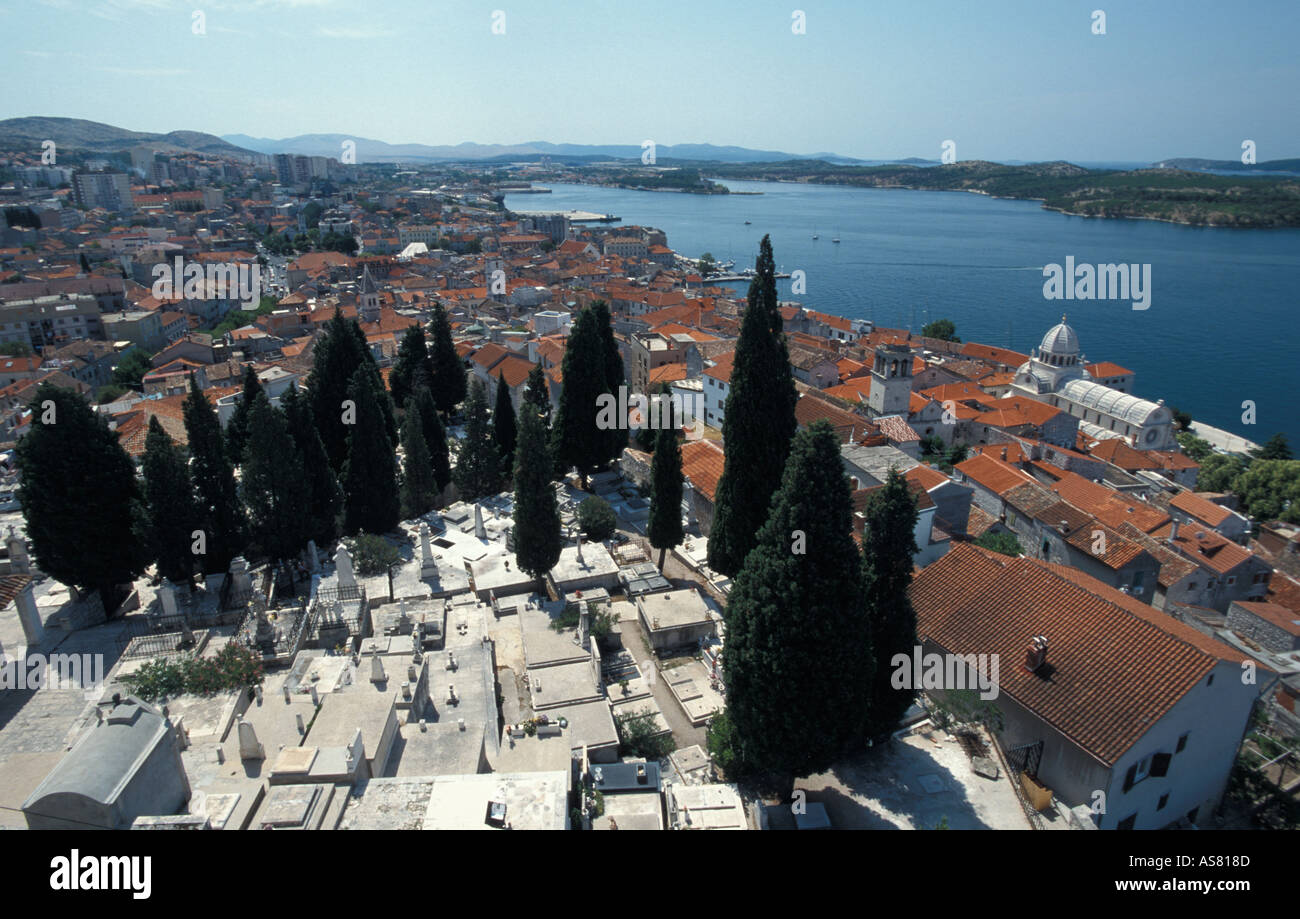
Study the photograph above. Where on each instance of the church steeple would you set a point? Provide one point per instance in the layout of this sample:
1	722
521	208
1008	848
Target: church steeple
368	300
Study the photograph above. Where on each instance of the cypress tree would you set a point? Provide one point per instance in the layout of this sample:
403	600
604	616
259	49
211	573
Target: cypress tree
888	544
214	481
435	437
581	435
237	426
665	525
799	663
419	489
758	424
537	536
537	393
614	372
173	511
371	500
80	497
450	386
412	367
503	428
478	464
324	497
341	350
274	484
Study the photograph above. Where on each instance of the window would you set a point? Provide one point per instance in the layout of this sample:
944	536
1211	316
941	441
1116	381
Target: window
1232	579
1143	769
1128	822
1210	681
1164	799
1182	743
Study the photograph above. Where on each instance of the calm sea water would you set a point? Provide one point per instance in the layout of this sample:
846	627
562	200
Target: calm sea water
1221	328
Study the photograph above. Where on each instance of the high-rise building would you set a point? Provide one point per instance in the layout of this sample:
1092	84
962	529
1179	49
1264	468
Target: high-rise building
109	190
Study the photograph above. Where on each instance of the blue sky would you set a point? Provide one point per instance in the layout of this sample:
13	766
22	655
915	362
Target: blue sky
1005	80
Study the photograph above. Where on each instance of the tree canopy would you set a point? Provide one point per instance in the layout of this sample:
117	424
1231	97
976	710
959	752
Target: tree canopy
799	662
758	424
80	496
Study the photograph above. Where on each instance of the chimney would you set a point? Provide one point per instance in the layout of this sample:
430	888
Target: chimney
1036	654
1004	454
1173	531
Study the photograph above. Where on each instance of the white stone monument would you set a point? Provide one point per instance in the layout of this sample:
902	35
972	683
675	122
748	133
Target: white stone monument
428	567
249	746
480	531
343	564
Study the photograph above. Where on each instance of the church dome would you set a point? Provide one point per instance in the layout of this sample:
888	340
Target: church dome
1060	340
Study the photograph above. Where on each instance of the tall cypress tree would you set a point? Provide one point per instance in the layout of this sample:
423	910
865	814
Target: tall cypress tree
435	437
80	496
274	484
419	489
799	663
888	544
371	500
537	535
341	350
324	497
538	394
758	424
614	372
581	435
478	464
665	525
412	367
173	512
214	481
237	426
503	428
450	386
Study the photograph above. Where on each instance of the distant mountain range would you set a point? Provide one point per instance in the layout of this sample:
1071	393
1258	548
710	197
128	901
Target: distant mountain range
94	137
378	151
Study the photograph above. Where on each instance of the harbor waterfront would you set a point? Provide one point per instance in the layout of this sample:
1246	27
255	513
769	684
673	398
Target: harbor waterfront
1219	330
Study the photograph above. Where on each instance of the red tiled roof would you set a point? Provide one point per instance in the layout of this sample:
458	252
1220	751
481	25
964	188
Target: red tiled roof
702	463
1114	666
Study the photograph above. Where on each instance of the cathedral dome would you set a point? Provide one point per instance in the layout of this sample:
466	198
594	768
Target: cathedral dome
1060	340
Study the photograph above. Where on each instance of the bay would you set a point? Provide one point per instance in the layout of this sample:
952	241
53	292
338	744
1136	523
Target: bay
1220	330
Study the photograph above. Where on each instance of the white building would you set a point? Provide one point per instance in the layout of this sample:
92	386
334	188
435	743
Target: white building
1056	374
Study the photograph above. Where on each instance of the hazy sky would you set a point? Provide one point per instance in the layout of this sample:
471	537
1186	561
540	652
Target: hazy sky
1005	80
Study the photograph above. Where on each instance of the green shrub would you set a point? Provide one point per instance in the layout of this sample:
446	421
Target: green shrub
371	554
236	666
596	518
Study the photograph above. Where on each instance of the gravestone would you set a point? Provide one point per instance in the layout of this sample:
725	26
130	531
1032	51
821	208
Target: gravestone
249	746
428	567
480	531
240	576
343	564
167	598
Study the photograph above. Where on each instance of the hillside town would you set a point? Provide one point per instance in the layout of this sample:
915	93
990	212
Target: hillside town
343	497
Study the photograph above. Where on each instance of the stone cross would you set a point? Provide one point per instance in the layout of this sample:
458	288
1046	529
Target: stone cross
580	561
343	564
